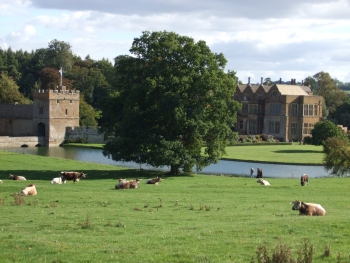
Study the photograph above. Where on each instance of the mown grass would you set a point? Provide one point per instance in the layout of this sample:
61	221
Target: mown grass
193	218
291	154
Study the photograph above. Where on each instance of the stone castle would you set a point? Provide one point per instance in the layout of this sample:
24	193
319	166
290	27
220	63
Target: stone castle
43	123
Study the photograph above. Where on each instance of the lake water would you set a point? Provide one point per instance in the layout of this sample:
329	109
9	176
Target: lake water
222	167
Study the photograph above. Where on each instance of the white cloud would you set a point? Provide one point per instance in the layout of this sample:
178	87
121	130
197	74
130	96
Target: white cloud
13	7
272	38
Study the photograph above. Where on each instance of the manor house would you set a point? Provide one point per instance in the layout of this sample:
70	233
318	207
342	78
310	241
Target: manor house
42	123
288	112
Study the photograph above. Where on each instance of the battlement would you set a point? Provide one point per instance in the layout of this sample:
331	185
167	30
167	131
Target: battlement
57	91
89	134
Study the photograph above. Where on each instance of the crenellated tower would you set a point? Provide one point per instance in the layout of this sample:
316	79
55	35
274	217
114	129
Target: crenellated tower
53	111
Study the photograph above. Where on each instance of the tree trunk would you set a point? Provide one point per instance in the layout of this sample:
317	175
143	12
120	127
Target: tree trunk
174	169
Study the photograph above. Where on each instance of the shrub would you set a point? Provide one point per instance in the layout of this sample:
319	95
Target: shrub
283	254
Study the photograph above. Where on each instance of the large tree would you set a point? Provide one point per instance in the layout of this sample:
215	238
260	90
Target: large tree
326	87
173	98
337	156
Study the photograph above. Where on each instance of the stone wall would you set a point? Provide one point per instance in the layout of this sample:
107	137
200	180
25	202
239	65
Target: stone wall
31	141
90	134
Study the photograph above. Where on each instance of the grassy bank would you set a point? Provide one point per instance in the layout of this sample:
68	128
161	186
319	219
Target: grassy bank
290	154
195	218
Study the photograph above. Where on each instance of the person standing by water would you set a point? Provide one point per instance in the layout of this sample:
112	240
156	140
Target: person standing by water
251	172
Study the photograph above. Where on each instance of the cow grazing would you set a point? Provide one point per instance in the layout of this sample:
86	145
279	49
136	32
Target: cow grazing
58	180
124	184
29	190
304	179
69	176
17	177
259	173
154	180
262	182
308	209
0	181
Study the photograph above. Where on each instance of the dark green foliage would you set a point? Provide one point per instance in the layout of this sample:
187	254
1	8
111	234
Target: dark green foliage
87	114
173	98
324	130
9	92
342	113
337	156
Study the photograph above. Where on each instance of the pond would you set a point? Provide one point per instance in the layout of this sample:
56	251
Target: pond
224	167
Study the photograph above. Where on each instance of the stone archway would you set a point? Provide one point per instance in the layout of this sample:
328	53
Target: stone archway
41	129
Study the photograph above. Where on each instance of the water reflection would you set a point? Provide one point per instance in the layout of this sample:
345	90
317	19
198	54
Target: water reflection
222	167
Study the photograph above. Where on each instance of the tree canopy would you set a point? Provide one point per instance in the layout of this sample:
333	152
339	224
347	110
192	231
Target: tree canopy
337	156
324	130
173	98
9	92
326	87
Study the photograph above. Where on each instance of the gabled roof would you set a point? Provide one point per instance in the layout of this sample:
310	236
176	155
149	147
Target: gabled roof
291	90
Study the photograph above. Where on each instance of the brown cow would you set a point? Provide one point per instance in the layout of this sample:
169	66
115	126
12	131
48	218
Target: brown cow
69	176
154	180
123	184
17	177
308	209
29	190
304	179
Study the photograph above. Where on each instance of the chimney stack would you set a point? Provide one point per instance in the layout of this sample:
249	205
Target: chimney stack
248	80
261	81
280	80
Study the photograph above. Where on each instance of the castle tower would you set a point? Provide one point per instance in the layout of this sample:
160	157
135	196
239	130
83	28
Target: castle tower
53	111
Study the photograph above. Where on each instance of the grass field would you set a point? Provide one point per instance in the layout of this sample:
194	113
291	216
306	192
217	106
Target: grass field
292	154
193	218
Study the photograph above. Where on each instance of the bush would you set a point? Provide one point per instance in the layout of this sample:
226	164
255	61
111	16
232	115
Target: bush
283	254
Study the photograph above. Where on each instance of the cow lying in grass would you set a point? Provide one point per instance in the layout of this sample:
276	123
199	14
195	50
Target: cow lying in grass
58	180
29	190
308	209
262	182
69	176
304	179
17	177
124	184
154	180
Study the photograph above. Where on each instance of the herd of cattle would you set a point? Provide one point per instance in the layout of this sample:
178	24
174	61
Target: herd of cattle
304	208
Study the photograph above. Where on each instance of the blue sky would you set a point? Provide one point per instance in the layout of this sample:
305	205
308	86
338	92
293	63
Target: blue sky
271	38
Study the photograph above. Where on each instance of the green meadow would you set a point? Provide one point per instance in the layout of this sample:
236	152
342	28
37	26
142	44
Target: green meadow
188	218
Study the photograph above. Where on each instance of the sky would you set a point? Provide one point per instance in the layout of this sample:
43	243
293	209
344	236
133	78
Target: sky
269	39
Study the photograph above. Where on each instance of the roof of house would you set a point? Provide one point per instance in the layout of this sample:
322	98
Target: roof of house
291	90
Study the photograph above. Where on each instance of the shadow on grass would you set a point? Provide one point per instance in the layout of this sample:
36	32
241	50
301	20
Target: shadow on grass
297	151
91	174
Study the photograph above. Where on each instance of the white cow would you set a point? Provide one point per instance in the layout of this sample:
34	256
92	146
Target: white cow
57	180
263	182
29	190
